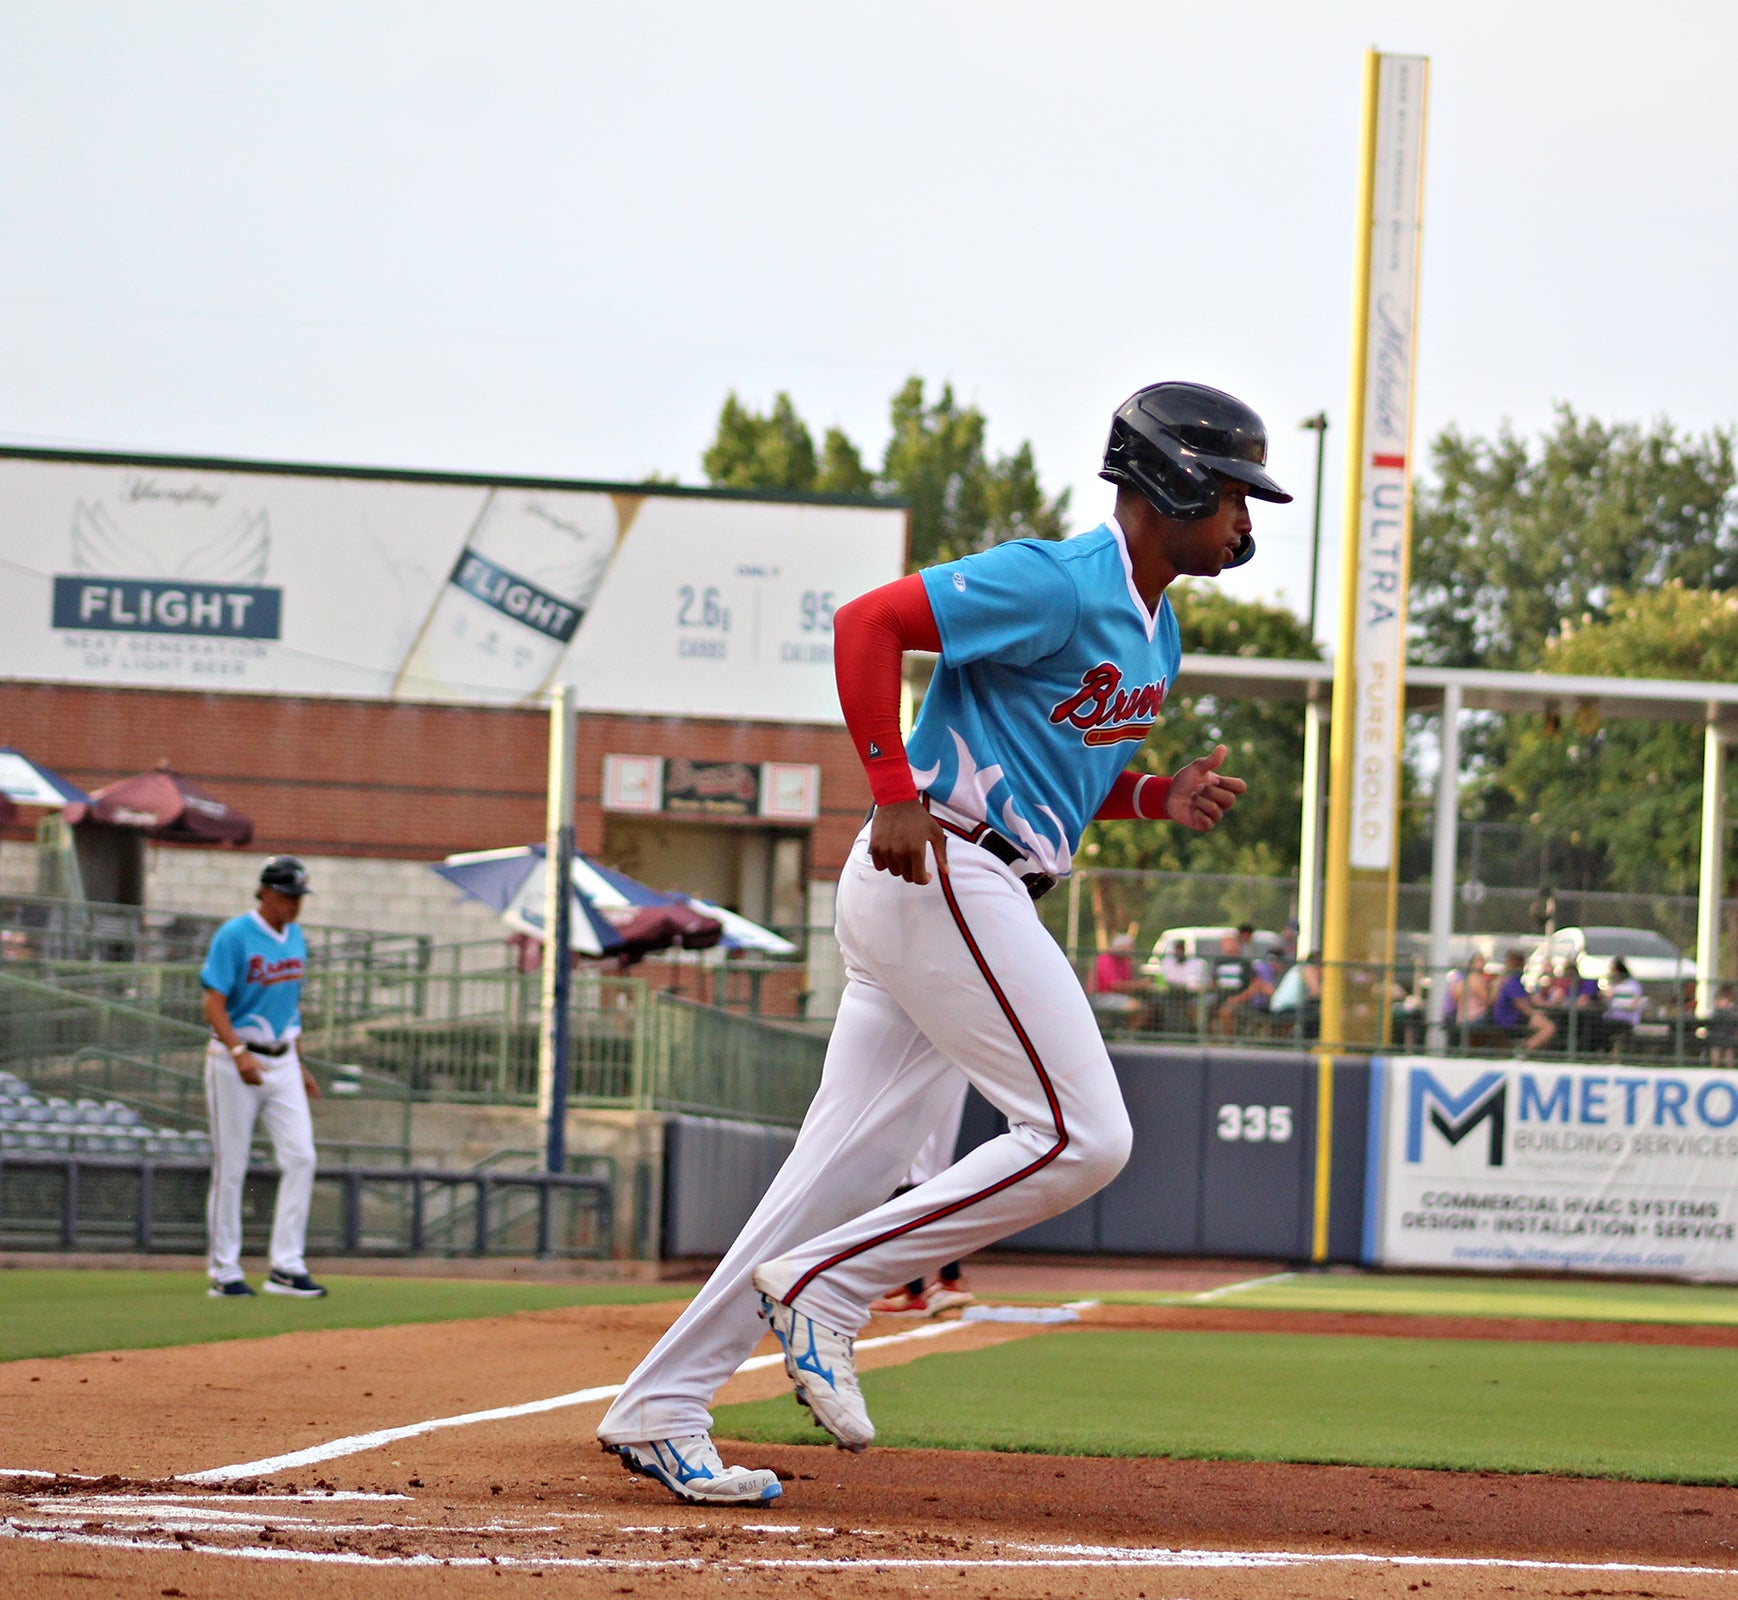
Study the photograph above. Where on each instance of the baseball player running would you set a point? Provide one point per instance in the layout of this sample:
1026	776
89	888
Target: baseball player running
253	989
1055	660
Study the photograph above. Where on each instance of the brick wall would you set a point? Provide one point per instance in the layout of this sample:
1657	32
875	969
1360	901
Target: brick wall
340	778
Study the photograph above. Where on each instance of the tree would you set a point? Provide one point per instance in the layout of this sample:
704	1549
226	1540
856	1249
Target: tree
961	498
1264	738
1509	542
1627	792
750	451
842	470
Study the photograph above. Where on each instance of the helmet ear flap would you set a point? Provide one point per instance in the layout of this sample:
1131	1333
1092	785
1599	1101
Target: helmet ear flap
1177	487
1243	552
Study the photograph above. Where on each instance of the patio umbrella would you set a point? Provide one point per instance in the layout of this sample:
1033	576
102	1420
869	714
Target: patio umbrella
613	914
611	910
165	806
23	781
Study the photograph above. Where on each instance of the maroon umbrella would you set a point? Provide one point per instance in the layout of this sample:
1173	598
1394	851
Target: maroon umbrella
647	928
165	806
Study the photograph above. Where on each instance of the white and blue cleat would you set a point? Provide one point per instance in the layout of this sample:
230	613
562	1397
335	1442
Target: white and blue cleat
823	1365
691	1468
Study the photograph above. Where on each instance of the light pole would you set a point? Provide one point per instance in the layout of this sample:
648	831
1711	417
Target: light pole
1309	900
1318	425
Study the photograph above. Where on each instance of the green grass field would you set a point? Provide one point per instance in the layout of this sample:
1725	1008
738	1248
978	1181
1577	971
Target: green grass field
1473	1296
1593	1409
1596	1410
65	1313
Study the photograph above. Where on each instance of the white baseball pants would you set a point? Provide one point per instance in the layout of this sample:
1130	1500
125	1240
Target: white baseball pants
234	1105
954	974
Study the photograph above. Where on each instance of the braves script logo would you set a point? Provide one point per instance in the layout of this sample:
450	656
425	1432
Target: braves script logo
1107	713
265	973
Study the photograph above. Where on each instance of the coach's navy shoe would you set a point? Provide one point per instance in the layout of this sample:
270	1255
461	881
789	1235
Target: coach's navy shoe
235	1289
822	1363
296	1283
692	1469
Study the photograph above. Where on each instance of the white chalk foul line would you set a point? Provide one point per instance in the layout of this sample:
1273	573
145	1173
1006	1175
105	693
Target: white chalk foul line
1040	1557
356	1443
1247	1283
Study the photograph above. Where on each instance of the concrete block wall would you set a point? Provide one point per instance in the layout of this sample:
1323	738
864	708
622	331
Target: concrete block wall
349	892
17	867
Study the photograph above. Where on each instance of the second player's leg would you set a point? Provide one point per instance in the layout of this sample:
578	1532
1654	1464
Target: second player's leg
231	1106
883	1088
285	1113
967	960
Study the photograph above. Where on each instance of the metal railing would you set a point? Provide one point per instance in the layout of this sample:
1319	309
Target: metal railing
1097	902
59	1202
1405	1008
714	1063
67	1043
632	1048
37	927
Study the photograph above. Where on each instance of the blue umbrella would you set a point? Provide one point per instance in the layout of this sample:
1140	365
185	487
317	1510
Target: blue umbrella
511	881
21	779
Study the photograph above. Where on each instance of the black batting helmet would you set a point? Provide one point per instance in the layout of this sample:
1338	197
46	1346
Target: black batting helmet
1173	442
286	874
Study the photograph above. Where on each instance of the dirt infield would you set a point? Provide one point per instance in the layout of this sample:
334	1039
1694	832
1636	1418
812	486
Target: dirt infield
521	1503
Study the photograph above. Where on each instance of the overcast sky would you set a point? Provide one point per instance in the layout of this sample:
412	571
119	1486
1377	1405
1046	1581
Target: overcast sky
546	238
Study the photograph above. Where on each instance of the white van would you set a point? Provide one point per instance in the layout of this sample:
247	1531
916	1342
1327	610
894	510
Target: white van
1651	957
1205	943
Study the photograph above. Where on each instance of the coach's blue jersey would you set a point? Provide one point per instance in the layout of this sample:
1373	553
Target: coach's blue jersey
1052	672
259	974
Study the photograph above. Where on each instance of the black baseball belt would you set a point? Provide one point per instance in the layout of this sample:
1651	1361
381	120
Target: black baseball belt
262	1049
1038	884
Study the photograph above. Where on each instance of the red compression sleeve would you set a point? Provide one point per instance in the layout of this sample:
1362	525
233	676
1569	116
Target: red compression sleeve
870	634
1135	794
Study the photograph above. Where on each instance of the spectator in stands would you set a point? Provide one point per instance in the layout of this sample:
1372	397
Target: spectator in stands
1236	961
1722	1028
1250	1000
1516	1012
1297	997
1182	980
1581	999
1117	993
1469	996
1624	1004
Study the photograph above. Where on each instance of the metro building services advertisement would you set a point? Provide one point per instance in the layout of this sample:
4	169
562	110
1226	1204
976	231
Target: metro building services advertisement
1521	1164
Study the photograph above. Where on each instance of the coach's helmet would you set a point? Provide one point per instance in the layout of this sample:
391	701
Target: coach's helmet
287	874
1173	442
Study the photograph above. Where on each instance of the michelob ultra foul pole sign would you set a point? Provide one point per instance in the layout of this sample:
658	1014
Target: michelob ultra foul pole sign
1384	457
1369	675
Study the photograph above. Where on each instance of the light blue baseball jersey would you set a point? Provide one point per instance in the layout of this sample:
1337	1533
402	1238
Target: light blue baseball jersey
259	974
1052	672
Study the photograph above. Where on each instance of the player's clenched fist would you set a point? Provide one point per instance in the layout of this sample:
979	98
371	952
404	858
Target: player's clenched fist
899	838
1201	794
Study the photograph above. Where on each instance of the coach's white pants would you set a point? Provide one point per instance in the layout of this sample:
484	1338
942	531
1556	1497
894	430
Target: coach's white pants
281	1102
940	976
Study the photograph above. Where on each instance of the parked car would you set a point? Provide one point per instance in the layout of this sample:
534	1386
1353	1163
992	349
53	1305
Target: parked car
1651	957
1206	942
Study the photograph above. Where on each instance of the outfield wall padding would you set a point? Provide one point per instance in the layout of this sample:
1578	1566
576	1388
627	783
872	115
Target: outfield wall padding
1199	1181
714	1175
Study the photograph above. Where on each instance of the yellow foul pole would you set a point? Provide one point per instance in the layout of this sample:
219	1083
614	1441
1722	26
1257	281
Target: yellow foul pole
1362	857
